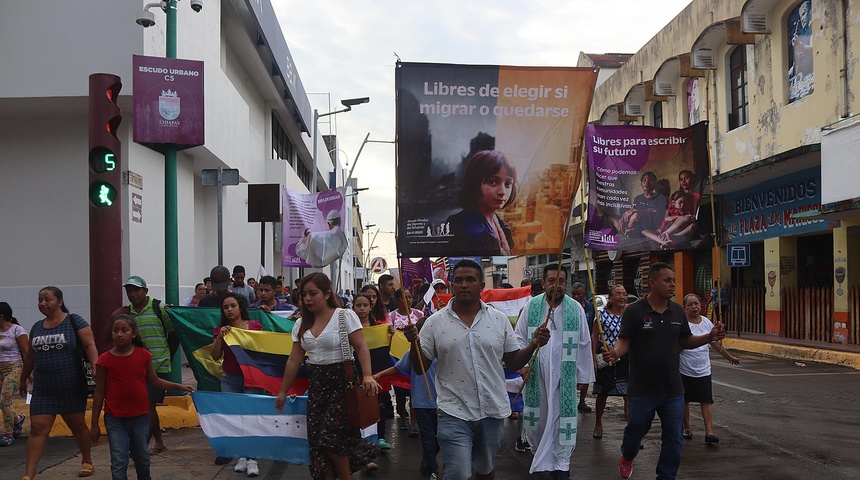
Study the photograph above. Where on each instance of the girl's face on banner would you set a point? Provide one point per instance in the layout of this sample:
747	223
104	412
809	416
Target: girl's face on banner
496	190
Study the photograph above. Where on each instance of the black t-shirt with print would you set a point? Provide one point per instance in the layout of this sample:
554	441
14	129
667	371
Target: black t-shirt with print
654	351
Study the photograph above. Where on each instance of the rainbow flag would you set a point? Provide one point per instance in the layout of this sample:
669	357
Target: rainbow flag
239	425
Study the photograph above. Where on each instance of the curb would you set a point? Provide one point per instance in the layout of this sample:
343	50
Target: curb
791	352
175	412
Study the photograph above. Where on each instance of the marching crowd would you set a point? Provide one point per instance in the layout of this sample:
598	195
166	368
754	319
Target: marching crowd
476	362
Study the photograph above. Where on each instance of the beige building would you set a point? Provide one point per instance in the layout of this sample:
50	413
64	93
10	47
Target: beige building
776	80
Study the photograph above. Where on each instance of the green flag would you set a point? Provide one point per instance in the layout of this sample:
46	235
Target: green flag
196	328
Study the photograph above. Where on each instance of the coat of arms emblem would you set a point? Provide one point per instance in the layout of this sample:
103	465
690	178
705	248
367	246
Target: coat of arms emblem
168	105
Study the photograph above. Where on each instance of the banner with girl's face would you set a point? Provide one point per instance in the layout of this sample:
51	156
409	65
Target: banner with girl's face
645	187
487	157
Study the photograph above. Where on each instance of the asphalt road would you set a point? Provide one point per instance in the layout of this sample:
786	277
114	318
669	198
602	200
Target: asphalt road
775	420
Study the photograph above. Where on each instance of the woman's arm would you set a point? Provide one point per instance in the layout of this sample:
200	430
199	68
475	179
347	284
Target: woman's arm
26	371
23	345
85	336
725	353
291	369
356	339
218	345
98	401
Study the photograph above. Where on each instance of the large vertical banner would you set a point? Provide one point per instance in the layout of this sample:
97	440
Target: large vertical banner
645	186
801	76
313	228
487	157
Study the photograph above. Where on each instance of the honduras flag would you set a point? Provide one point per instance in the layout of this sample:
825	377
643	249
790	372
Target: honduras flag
240	425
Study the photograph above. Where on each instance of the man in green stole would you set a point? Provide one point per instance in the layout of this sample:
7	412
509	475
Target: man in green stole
565	361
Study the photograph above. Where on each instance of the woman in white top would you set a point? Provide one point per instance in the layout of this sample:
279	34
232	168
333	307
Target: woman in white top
695	369
334	447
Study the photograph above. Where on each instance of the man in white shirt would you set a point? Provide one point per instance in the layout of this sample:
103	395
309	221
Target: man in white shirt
550	392
469	341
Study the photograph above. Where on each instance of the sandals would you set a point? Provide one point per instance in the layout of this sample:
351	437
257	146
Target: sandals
86	470
156	450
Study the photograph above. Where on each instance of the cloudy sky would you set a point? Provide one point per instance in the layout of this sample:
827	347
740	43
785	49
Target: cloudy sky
345	49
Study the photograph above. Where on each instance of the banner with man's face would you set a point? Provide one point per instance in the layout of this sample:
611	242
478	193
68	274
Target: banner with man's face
645	187
313	228
488	157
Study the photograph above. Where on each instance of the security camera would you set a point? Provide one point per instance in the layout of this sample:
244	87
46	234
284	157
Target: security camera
197	5
145	19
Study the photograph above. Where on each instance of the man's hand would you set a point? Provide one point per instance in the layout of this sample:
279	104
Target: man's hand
541	336
608	355
411	333
95	433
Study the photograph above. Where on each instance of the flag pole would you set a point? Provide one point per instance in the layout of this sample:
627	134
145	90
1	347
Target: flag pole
415	343
552	298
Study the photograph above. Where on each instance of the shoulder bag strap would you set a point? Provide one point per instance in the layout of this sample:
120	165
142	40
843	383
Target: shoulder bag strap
344	346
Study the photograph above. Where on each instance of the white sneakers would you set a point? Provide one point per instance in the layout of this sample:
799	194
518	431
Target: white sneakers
249	466
253	470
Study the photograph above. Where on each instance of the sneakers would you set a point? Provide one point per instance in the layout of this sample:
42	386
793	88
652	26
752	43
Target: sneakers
688	435
404	424
712	439
522	445
253	469
241	465
582	407
413	432
625	467
6	441
19	425
383	444
432	476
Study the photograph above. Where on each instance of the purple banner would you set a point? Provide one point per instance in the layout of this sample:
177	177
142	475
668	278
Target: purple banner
313	228
168	102
645	187
416	273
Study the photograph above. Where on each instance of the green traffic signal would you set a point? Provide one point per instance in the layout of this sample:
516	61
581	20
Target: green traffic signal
102	194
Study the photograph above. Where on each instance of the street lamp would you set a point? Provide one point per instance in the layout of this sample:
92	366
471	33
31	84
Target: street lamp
348	103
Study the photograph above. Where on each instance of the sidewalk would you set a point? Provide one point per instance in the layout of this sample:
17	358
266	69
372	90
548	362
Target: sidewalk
789	351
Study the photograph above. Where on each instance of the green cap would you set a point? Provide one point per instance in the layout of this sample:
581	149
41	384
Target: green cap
135	281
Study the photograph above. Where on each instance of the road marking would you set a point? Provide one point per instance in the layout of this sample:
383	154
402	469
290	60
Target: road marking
748	390
810	374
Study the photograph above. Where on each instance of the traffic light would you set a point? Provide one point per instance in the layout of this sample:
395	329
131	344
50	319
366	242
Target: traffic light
104	156
106	205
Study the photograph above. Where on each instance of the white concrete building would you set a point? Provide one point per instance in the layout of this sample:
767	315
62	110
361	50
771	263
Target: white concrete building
258	120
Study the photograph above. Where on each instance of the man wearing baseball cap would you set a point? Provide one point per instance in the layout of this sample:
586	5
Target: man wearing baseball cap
156	330
220	277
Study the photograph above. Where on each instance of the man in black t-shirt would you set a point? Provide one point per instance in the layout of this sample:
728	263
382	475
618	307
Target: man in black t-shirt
652	329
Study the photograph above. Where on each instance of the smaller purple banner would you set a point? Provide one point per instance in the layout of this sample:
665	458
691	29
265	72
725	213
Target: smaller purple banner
168	102
416	273
313	231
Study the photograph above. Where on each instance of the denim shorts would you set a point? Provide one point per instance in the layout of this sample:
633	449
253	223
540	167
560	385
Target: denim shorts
468	445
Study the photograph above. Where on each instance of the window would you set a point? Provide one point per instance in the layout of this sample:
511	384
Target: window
738	113
657	114
799	36
282	147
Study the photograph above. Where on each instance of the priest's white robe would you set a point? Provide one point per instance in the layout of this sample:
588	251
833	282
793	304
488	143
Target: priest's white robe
548	454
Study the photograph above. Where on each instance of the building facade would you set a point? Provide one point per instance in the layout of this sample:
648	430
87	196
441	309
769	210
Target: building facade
258	119
776	81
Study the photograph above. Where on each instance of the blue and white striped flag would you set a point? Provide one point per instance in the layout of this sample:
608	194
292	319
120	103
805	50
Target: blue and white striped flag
239	425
